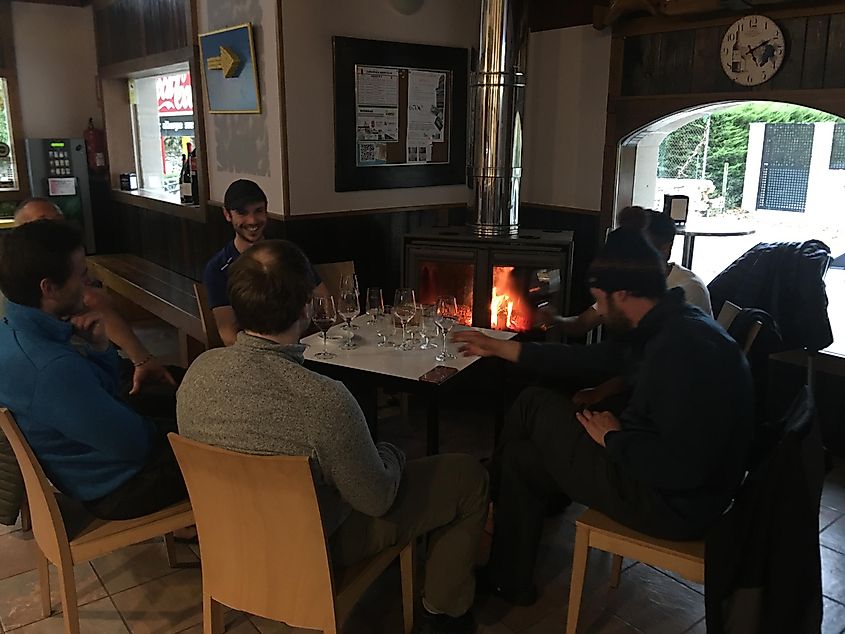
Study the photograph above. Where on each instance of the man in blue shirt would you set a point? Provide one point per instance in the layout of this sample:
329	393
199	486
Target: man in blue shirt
91	445
245	208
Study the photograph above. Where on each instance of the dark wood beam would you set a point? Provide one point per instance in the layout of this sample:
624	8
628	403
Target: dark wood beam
66	3
544	15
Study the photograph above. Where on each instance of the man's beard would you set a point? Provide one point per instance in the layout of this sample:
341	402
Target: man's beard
616	321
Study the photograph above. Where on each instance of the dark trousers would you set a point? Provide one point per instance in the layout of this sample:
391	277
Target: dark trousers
159	483
543	452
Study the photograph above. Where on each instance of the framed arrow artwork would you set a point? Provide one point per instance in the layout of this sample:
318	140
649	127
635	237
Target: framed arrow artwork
229	73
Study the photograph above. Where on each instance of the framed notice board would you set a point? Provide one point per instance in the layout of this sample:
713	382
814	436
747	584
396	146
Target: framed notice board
400	114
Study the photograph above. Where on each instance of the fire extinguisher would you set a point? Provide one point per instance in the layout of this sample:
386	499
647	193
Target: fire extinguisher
95	147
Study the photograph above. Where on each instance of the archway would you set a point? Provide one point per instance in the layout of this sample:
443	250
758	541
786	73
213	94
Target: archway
775	168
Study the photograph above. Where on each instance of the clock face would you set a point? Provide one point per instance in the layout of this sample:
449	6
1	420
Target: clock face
753	50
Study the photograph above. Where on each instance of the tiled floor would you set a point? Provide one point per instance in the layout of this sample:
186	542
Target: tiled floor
135	590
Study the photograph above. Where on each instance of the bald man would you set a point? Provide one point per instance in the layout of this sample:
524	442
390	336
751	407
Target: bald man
147	369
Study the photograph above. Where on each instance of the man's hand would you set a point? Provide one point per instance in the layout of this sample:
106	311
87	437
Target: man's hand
150	372
475	343
598	424
91	328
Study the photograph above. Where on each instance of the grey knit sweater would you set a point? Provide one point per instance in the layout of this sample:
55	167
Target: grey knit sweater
256	397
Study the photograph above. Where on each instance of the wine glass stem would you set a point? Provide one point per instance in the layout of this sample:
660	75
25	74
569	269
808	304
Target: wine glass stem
325	342
403	334
445	352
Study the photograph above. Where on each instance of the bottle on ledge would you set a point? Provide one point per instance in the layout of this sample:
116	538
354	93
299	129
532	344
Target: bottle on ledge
195	190
185	182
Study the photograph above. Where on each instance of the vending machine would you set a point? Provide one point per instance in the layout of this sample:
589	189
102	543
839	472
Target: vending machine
58	171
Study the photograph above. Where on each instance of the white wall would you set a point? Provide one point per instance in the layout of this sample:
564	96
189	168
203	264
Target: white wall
247	145
565	117
57	65
308	27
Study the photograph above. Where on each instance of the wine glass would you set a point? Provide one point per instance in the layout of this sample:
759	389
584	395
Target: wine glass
375	305
384	325
323	314
428	326
349	283
404	307
348	308
447	316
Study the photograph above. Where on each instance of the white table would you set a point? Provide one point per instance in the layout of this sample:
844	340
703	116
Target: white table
368	367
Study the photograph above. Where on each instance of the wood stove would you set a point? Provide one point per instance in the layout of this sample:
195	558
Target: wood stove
499	282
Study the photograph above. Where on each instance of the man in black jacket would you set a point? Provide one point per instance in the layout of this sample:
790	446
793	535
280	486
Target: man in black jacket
667	464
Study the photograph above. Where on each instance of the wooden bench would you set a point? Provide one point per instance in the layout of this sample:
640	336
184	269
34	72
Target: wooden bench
159	291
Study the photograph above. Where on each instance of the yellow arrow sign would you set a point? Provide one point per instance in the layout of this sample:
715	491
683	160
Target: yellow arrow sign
227	61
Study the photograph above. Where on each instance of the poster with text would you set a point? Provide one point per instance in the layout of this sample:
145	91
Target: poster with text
426	107
377	86
377	124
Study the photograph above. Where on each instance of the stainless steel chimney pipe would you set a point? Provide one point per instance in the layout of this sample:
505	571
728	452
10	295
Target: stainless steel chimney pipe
498	88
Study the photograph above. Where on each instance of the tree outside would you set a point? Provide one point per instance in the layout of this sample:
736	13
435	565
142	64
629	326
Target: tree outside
701	148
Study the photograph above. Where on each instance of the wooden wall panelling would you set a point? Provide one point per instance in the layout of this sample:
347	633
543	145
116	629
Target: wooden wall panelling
815	51
674	68
707	73
834	68
789	75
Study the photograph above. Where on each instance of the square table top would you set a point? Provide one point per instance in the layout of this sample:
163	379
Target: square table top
404	364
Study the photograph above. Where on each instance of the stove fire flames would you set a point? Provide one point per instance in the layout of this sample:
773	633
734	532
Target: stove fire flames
507	309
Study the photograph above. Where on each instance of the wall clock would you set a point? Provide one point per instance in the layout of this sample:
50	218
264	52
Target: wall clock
753	50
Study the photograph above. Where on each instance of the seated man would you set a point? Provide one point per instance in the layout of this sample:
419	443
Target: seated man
245	208
667	465
257	397
92	446
660	229
145	368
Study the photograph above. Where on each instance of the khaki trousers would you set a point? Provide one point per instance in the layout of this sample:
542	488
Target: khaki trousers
446	496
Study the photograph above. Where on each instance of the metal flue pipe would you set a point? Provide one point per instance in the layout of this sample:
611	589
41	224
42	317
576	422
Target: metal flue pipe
498	88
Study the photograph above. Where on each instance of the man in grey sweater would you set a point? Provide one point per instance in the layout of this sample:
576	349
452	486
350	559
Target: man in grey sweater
257	397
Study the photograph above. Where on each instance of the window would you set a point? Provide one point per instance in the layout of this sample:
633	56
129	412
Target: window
163	128
8	169
837	152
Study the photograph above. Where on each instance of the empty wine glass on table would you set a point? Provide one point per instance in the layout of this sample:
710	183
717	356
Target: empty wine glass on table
323	314
447	317
428	327
404	308
384	325
350	283
375	305
349	309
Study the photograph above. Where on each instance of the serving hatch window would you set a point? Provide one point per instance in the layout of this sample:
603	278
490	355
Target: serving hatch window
8	169
163	128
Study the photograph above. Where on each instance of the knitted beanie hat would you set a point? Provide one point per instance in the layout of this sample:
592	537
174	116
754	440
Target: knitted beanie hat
628	261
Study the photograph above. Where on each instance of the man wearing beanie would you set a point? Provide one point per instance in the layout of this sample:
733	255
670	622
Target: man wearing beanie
667	464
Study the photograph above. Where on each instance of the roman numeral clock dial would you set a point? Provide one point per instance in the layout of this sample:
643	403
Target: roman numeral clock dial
753	50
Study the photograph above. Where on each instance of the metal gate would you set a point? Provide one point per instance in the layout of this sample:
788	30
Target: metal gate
785	171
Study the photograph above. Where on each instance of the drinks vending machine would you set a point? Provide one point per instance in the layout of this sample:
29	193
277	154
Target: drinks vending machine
58	171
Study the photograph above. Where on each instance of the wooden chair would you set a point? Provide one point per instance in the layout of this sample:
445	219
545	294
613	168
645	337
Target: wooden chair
97	538
331	273
595	530
262	543
209	324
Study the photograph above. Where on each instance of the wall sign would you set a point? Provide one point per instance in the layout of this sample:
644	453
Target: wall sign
400	115
228	67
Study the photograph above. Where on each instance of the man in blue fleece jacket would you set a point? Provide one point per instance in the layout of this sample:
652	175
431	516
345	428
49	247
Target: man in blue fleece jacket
92	446
667	464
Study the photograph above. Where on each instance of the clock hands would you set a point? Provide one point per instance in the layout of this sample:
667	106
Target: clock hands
767	53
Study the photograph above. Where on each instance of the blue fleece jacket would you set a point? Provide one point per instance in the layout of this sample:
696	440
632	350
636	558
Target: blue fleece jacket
87	441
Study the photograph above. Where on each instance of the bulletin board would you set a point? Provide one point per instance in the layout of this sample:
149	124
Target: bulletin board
400	115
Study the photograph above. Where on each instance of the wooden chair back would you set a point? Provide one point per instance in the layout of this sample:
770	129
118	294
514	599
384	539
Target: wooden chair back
260	533
47	523
331	273
209	324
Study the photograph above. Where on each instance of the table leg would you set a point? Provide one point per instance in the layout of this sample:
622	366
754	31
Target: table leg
689	247
433	425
